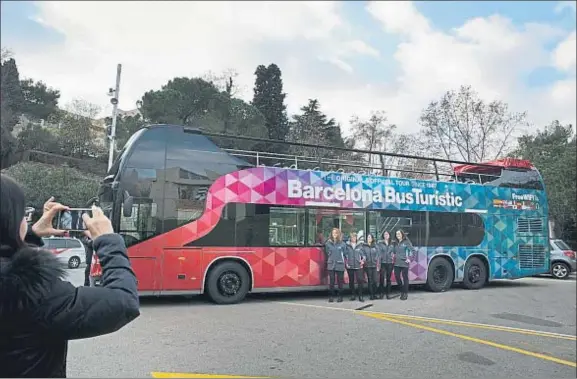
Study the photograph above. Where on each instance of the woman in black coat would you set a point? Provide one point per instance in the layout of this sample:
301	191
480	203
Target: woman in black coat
371	264
40	311
335	250
354	260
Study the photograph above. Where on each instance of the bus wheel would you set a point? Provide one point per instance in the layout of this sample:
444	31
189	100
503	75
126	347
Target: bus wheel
440	275
227	283
475	274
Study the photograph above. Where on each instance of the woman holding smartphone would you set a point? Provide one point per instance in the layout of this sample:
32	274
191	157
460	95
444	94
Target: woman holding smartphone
371	253
403	253
335	250
386	250
39	310
354	262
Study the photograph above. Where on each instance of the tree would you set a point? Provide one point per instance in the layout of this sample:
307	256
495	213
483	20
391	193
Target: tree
40	181
76	129
40	101
314	127
35	137
196	102
182	101
125	127
269	100
11	101
553	152
5	54
461	126
374	134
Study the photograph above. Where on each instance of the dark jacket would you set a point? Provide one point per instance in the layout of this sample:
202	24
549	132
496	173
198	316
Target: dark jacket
386	252
371	255
403	250
335	253
354	256
40	312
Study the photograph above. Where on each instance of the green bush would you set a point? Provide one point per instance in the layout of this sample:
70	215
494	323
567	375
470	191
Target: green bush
40	181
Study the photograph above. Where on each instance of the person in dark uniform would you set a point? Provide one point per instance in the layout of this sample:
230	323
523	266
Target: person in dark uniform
386	249
404	251
88	246
354	259
335	250
371	253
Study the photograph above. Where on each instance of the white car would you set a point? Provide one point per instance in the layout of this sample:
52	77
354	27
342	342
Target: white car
70	251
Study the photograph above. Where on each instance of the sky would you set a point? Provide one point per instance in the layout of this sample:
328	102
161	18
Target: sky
354	57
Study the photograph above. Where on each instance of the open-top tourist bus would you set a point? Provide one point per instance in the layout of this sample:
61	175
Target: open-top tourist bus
198	218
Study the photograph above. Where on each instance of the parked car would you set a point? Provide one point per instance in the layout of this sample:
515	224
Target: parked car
563	261
69	251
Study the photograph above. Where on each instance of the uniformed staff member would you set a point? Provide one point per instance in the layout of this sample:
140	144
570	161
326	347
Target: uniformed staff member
335	250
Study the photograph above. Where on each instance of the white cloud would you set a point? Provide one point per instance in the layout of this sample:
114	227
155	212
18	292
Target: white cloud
565	55
312	42
156	41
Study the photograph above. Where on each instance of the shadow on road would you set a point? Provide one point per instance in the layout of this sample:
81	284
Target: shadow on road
320	294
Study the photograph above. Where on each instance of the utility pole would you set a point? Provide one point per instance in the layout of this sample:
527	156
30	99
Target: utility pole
114	101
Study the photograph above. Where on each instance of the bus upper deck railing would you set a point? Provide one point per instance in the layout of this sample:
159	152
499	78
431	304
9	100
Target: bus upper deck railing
357	161
360	167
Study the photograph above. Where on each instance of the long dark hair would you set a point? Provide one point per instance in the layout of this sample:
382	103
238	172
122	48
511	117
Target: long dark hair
402	234
372	239
12	212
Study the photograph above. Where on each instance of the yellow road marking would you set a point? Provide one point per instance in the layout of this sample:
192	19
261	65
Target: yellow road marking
482	326
449	322
157	374
471	339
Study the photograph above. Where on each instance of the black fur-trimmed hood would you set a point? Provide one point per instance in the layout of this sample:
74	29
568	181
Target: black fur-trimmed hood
26	278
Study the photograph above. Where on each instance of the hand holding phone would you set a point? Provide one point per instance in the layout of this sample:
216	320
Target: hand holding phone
43	227
98	225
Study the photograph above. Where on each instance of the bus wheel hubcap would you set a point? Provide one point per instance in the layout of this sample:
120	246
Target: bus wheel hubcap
439	275
474	274
229	283
559	271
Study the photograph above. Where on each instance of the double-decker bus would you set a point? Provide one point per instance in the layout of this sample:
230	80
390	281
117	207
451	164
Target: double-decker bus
199	219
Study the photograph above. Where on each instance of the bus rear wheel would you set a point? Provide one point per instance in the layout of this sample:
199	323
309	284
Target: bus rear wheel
475	275
227	283
440	275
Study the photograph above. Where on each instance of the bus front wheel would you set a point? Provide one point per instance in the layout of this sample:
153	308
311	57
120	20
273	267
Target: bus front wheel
228	283
440	275
475	275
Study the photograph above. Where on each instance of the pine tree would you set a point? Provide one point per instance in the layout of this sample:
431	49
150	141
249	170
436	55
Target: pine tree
269	100
11	101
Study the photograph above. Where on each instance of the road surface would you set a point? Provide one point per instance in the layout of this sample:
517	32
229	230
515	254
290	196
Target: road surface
516	329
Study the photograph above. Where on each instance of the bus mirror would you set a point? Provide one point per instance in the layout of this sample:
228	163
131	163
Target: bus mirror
127	204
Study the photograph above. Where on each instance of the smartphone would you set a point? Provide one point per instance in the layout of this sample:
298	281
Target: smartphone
72	219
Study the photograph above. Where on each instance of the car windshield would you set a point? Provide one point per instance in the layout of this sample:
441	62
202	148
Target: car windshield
561	245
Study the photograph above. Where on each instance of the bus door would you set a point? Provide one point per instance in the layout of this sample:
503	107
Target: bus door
505	248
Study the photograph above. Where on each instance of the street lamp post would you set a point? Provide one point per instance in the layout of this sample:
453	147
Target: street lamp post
114	101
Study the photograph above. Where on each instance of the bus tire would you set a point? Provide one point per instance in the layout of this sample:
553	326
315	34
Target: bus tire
228	283
475	275
440	275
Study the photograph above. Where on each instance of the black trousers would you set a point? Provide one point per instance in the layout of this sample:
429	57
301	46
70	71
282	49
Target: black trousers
89	253
355	275
404	282
340	277
385	276
371	273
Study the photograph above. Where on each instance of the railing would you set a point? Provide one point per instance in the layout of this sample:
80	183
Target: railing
360	165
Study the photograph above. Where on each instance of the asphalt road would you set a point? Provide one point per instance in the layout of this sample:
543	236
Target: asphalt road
527	330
